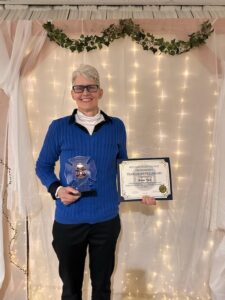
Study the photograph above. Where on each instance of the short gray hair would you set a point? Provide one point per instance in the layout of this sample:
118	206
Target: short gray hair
87	71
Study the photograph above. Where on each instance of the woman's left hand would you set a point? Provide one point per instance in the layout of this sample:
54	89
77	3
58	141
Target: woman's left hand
148	200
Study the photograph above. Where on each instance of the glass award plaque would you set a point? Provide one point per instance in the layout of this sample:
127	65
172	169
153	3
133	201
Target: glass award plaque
145	176
80	173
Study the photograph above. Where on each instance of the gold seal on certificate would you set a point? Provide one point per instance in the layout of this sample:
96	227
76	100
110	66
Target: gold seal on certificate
162	188
145	176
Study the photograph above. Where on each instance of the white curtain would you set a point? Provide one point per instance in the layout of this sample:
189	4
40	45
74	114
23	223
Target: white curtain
3	168
217	193
168	106
23	187
19	45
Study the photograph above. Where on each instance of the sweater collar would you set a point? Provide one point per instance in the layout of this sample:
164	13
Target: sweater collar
72	118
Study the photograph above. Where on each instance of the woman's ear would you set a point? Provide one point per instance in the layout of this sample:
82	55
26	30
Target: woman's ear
72	94
100	93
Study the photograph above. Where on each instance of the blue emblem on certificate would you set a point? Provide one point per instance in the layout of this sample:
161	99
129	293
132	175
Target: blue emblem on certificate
80	173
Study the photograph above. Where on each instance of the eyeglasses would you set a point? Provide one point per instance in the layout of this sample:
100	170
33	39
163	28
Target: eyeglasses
91	88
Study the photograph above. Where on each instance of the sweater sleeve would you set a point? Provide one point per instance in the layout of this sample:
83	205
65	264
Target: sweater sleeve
49	154
122	154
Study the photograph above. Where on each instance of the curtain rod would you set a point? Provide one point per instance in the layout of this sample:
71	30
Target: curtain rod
115	2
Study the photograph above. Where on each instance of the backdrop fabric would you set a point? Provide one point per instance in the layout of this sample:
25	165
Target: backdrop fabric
171	106
3	168
17	43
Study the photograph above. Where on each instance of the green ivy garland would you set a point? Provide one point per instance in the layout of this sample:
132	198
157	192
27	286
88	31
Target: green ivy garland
127	27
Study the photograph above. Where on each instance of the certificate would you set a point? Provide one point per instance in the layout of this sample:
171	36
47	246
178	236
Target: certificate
144	176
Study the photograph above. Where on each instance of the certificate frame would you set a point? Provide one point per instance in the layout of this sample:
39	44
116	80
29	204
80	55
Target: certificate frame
144	176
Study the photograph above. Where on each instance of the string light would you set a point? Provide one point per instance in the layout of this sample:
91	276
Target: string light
178	152
134	78
14	229
161	221
133	92
109	76
55	83
162	96
157	71
182	113
104	65
186	73
209	119
105	50
30	89
161	136
32	79
56	57
111	90
134	48
158	83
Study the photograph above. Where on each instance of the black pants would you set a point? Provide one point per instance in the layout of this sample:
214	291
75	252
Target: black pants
70	243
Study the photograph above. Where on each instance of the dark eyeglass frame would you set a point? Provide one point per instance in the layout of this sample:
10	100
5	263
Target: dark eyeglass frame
88	87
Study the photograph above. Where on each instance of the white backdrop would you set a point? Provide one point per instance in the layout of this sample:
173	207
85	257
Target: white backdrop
168	105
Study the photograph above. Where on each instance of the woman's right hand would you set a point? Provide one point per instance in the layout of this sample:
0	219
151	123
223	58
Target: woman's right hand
68	195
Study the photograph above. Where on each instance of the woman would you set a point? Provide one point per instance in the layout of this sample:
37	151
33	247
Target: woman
90	218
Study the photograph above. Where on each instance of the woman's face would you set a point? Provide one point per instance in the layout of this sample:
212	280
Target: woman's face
86	98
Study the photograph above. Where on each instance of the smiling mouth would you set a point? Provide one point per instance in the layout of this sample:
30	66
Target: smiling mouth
86	99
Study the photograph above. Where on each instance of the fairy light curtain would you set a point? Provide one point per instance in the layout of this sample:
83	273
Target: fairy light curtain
168	105
218	207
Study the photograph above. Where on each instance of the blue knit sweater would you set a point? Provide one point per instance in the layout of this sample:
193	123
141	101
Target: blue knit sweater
66	139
